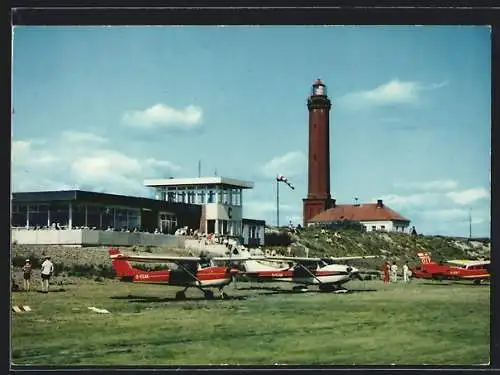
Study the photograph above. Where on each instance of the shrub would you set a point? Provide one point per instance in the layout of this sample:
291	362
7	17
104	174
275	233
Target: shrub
89	271
277	239
18	261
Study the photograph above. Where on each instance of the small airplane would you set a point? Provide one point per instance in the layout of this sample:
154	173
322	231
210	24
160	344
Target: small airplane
197	272
324	272
451	270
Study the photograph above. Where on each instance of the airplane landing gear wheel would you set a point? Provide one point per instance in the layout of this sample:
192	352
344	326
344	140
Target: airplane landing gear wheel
300	288
208	294
180	295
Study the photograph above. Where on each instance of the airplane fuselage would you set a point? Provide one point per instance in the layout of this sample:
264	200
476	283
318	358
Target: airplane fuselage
433	271
329	274
207	277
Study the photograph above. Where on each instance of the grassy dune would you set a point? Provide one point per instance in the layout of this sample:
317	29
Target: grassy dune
423	322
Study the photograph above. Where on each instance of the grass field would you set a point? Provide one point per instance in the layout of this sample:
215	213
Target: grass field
418	323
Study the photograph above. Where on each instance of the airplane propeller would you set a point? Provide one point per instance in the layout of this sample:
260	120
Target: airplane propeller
355	274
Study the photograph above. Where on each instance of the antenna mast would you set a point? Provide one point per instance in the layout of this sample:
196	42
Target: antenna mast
470	224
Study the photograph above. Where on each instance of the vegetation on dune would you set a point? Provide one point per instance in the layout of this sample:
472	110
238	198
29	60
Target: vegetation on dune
398	247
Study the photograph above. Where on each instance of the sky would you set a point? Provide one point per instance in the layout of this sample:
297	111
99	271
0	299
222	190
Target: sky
104	108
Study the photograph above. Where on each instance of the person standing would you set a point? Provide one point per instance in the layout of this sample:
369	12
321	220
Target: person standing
47	271
394	272
385	272
27	275
406	272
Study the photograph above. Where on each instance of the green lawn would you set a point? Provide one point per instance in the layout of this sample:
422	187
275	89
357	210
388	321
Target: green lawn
419	323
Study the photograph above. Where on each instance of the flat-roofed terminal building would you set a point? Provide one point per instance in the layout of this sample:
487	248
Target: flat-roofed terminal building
221	201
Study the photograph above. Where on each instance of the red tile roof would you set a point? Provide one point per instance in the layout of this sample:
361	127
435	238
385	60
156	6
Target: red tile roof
361	212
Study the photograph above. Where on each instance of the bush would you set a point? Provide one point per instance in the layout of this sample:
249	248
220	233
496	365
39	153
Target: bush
18	261
277	239
89	271
340	224
150	267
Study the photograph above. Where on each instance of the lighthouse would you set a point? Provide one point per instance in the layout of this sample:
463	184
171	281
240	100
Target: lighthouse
318	192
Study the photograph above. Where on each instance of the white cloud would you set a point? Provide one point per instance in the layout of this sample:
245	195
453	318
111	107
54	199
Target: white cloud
45	159
468	196
162	164
26	153
100	164
161	115
392	92
451	214
291	164
20	151
76	137
61	165
428	185
411	200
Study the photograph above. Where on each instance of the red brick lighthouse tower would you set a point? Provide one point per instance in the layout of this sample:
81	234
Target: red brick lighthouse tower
318	195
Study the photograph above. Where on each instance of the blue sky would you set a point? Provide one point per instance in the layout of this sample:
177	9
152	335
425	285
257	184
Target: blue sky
104	108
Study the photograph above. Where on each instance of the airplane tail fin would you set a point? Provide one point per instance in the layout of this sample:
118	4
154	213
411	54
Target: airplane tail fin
425	258
122	268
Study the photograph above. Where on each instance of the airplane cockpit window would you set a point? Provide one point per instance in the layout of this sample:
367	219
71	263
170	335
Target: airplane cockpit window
188	265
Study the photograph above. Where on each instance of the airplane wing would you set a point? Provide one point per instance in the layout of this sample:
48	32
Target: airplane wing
459	262
303	259
237	258
176	259
154	258
354	257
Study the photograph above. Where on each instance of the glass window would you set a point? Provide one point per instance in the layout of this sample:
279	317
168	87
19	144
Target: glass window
134	219
181	196
211	196
59	213
78	215
201	197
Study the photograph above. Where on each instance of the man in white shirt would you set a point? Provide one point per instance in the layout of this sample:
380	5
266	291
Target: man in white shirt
406	273
394	272
47	270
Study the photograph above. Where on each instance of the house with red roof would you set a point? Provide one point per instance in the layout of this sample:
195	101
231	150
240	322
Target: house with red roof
373	216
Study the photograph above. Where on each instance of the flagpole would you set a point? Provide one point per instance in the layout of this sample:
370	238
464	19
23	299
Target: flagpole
277	203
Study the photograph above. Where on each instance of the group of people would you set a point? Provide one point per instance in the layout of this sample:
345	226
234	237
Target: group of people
390	272
47	269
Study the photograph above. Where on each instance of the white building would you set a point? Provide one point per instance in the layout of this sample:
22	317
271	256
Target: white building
222	204
373	216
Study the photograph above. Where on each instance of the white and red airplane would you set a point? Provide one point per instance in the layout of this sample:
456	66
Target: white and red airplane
324	272
196	272
456	269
